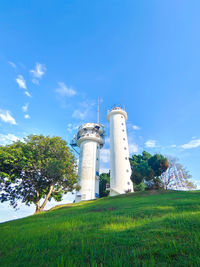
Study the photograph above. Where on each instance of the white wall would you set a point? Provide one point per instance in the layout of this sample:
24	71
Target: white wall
97	171
87	170
119	154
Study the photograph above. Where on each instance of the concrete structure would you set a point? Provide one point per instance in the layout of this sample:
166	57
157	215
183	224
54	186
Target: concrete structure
120	182
90	139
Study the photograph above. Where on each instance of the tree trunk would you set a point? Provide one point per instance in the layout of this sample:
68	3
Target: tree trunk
47	197
40	208
37	210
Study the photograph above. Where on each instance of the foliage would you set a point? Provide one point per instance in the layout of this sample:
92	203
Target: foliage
104	180
148	168
140	168
159	165
139	187
159	228
38	168
176	176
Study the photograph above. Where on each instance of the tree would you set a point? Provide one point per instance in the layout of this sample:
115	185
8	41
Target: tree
104	180
140	168
176	176
139	187
39	168
147	168
159	165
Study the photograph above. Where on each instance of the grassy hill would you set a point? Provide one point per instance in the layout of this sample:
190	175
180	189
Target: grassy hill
140	229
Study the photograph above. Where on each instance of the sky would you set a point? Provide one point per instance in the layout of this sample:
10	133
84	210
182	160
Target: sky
58	57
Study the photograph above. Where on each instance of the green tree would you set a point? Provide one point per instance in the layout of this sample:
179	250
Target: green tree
148	168
104	180
139	187
159	164
38	169
140	169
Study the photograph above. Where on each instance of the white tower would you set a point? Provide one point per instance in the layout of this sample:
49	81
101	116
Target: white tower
120	181
90	139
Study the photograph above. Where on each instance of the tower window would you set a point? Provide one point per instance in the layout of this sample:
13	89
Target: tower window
122	124
126	158
127	170
125	148
128	183
123	130
122	117
124	139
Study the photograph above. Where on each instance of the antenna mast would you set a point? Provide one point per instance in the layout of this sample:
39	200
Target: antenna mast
98	111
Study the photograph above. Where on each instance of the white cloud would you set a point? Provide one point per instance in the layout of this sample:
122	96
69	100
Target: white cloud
192	144
63	90
150	143
5	116
133	148
86	111
12	64
173	146
25	107
27	94
39	70
105	155
72	127
26	116
35	81
21	82
104	170
8	138
77	114
135	127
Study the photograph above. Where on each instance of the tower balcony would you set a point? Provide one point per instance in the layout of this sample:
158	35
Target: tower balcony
90	136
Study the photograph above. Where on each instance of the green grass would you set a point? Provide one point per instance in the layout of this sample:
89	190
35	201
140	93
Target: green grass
139	229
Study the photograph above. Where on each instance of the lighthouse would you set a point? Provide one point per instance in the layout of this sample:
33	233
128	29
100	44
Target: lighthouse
90	139
120	181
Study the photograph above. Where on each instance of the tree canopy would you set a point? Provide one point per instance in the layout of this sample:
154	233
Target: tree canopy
148	168
39	168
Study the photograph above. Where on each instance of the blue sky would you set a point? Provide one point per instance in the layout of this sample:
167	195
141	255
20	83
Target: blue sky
57	57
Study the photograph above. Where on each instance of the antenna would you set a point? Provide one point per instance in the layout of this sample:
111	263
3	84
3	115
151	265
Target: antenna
98	110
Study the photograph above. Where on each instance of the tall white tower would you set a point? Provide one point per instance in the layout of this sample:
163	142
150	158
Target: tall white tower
90	139
120	181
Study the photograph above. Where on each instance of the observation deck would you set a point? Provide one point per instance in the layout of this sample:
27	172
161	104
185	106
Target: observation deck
89	131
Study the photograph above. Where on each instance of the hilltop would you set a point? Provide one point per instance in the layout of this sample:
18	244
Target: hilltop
138	229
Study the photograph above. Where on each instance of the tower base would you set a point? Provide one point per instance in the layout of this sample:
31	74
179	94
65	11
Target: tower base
83	197
114	192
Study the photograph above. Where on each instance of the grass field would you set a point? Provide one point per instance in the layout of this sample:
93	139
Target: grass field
139	229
